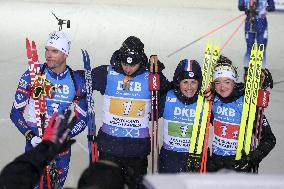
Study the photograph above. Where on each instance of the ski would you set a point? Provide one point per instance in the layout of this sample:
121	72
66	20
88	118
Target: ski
34	69
40	86
250	100
253	103
205	124
39	102
154	87
200	99
214	57
203	107
92	143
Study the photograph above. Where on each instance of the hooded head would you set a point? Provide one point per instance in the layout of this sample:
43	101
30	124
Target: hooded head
60	41
131	52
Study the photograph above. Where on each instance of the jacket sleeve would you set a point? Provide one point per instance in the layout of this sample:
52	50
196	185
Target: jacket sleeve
99	78
162	101
241	5
165	84
21	100
80	105
267	141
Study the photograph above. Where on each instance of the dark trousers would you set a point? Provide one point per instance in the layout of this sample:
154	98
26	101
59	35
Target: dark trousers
172	162
134	168
216	163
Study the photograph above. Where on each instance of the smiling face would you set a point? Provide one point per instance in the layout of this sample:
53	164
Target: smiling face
188	87
224	86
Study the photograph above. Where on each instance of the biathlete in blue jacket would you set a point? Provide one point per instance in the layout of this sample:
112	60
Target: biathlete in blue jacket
69	89
124	136
226	119
255	25
177	108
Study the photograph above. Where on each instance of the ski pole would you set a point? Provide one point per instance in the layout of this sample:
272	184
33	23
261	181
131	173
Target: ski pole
203	166
92	143
232	35
48	177
154	85
152	108
278	82
262	103
156	82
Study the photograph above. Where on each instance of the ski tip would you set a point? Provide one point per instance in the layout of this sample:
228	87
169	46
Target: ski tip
209	42
28	46
33	45
254	47
217	42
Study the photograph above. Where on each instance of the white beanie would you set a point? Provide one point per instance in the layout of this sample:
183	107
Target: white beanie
60	41
225	71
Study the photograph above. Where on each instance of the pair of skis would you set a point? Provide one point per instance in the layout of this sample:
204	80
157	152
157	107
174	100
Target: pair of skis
200	132
34	69
40	101
92	143
154	87
251	101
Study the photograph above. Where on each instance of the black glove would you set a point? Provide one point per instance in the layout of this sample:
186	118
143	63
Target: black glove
251	12
193	163
248	162
29	135
242	7
58	129
211	165
266	79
